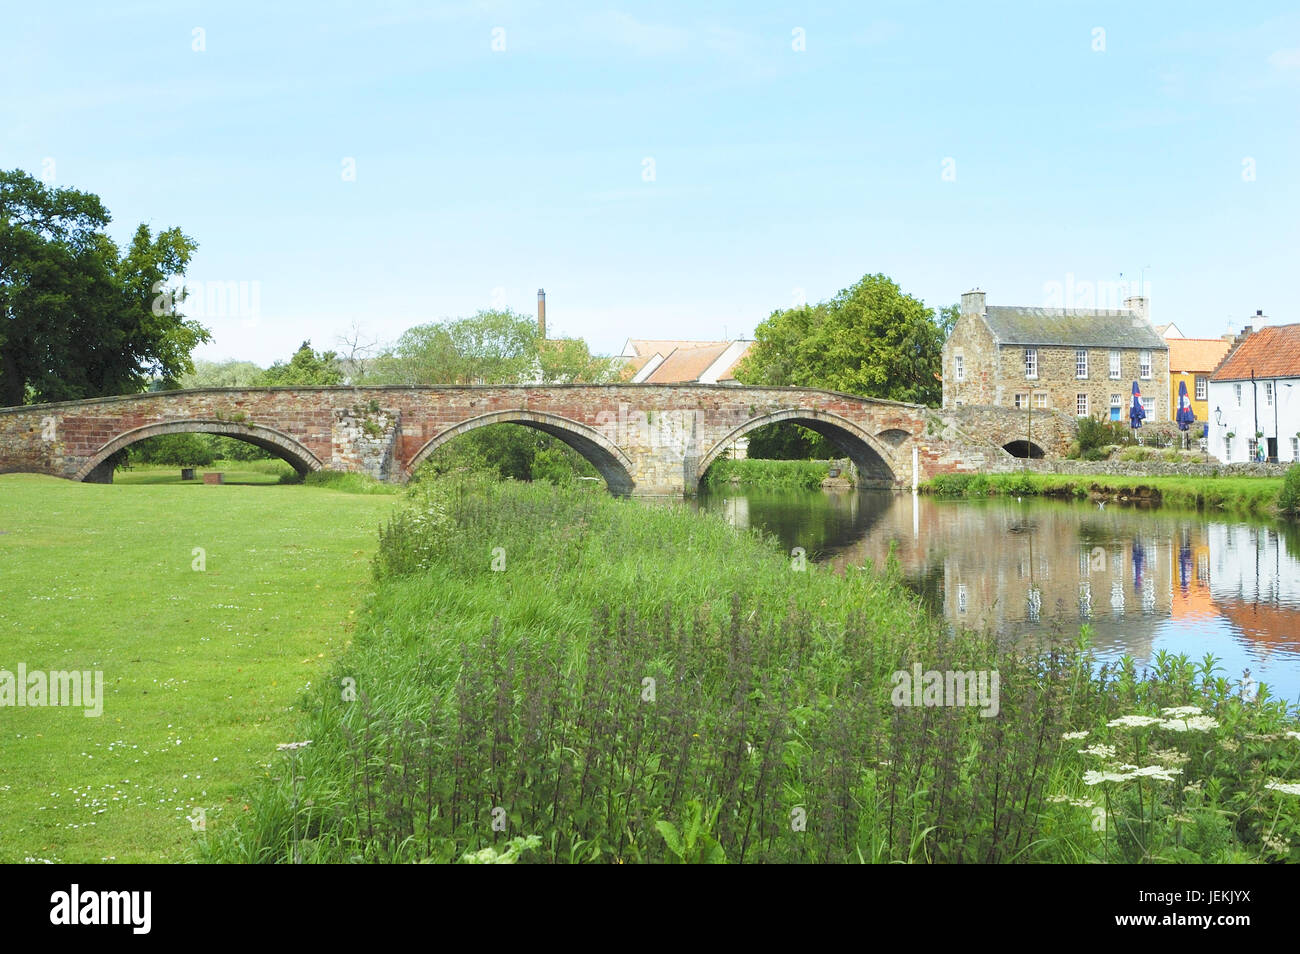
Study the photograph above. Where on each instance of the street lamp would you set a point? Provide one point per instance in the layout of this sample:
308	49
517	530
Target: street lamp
1218	416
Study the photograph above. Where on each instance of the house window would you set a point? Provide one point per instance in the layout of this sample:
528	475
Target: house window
1227	448
1202	388
1116	406
962	598
1031	362
1040	399
1144	365
1114	365
1080	363
1252	446
960	366
1268	393
1236	392
1149	405
1295	448
1081	405
1022	400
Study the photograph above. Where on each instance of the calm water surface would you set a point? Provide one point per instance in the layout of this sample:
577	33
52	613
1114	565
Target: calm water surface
1145	580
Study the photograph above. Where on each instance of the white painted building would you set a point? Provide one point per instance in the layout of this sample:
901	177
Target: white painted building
1254	397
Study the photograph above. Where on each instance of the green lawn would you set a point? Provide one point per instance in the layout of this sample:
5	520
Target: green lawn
202	668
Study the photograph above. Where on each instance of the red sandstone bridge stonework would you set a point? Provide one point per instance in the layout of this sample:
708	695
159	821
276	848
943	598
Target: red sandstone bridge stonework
643	439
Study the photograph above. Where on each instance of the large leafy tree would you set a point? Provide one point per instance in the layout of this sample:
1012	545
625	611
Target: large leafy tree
490	347
80	317
307	368
870	339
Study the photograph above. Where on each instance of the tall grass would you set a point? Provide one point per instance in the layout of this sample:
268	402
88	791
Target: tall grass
753	472
636	684
1257	495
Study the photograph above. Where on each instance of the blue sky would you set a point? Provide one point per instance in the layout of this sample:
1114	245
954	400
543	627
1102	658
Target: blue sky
482	174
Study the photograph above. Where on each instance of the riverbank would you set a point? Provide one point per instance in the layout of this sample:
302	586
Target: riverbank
564	677
1249	495
777	474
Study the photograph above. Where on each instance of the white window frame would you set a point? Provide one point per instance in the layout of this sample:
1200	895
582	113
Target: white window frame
1227	448
1268	393
1114	365
1081	404
1117	400
1018	403
1236	391
1031	364
1149	405
1144	365
1080	363
1295	448
1202	388
959	367
1040	400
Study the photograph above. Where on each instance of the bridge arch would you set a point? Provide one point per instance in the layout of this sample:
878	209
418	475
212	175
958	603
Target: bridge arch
268	438
608	459
1024	449
872	456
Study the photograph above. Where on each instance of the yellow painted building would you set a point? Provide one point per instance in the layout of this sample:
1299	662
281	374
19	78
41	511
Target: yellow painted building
1193	360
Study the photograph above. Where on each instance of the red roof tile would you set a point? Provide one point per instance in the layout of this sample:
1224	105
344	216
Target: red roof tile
1271	352
1196	354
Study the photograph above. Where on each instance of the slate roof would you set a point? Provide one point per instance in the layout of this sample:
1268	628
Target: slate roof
1078	327
1271	352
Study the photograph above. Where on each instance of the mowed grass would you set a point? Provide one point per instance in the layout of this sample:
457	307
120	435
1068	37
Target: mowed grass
202	668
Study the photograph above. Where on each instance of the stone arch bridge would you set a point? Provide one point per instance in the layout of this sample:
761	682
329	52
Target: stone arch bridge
644	439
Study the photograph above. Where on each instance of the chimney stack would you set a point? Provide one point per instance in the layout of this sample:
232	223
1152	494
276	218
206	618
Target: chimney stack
972	303
1138	305
541	313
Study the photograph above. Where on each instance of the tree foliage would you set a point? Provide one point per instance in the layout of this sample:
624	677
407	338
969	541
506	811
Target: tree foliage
870	339
80	317
490	347
307	368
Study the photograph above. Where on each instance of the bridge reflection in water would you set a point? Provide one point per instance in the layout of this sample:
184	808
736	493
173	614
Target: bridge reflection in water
1144	580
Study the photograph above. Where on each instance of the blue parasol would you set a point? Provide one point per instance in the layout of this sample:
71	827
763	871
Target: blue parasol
1136	412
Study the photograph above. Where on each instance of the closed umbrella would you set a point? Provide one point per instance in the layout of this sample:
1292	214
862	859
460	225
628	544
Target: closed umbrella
1185	417
1136	411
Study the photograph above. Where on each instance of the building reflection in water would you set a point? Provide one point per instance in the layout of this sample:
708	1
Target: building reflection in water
1143	580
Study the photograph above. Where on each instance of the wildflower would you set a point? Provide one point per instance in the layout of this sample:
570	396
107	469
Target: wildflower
1164	773
1293	735
1070	736
1200	723
1290	788
1135	721
1170	756
1105	751
290	746
1096	778
1182	711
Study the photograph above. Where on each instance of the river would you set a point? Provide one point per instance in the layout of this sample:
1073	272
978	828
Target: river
1144	580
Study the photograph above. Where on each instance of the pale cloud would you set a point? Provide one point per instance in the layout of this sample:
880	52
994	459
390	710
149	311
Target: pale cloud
1285	60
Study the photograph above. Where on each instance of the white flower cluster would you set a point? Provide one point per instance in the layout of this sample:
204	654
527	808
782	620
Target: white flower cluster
1135	721
1290	788
1163	773
1104	751
1181	711
1070	736
1197	723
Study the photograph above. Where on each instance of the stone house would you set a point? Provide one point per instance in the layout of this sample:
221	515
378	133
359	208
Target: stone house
1256	391
1079	361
